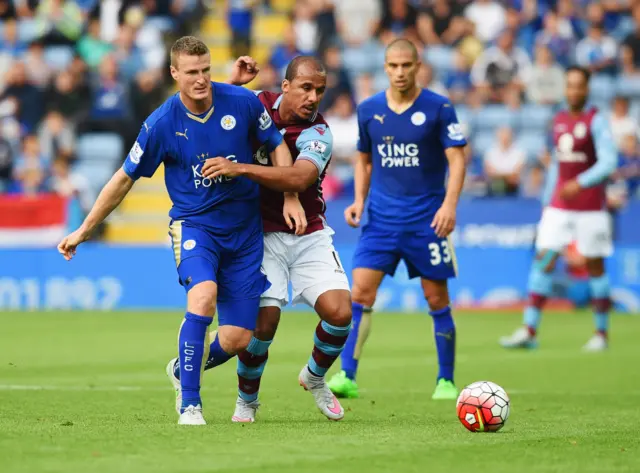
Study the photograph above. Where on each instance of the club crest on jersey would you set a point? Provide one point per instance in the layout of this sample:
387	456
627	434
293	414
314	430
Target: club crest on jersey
189	245
228	122
580	130
418	118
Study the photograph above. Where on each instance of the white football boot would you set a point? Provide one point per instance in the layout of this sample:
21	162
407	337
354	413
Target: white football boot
245	411
596	343
326	401
175	382
192	415
521	338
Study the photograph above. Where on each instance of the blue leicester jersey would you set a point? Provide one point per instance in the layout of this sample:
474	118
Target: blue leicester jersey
408	158
183	142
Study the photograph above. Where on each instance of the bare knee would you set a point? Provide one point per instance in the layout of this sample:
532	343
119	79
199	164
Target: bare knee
334	307
267	325
234	339
363	295
436	293
201	299
437	301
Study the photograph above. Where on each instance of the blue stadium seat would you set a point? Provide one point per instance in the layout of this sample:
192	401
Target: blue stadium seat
440	57
466	117
380	81
628	87
535	117
96	172
482	141
162	23
28	30
58	57
602	88
100	147
532	142
491	117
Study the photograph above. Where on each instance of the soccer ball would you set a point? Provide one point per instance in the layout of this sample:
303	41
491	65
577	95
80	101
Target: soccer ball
483	407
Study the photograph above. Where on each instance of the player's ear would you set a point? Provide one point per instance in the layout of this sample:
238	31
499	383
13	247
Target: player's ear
285	86
174	72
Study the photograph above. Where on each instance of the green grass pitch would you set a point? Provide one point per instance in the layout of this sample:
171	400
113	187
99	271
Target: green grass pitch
88	393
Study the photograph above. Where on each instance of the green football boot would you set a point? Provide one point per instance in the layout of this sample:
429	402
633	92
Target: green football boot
445	389
343	387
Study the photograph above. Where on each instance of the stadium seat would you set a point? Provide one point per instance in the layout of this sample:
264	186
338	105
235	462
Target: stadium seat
380	81
162	23
628	87
466	118
532	143
28	30
440	57
357	60
96	172
535	117
482	141
58	57
495	116
100	147
602	88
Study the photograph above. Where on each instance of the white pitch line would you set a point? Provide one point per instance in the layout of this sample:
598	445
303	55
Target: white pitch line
36	387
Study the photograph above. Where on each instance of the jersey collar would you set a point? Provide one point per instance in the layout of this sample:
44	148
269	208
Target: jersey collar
203	117
276	106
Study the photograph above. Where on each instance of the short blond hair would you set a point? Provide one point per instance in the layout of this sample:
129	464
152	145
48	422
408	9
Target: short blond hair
188	45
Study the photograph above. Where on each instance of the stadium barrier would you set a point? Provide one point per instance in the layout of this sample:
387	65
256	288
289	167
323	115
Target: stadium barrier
494	247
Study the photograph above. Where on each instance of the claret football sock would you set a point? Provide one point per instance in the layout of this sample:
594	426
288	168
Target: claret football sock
539	286
251	363
601	302
328	343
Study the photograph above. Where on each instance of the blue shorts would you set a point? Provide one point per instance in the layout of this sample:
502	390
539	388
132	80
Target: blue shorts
232	261
425	254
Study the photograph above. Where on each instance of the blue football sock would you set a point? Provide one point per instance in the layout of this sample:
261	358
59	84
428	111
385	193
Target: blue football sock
445	335
251	363
217	356
192	351
539	286
601	302
357	337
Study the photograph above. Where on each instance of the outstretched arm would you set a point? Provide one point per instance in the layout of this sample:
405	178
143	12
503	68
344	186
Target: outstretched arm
296	178
110	197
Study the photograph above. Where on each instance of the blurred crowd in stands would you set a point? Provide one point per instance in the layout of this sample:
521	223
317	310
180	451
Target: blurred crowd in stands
501	62
69	69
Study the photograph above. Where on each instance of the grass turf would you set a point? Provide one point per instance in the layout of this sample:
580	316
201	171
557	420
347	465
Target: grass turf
87	392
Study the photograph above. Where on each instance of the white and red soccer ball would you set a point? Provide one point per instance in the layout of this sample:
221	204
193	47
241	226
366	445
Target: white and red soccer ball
483	407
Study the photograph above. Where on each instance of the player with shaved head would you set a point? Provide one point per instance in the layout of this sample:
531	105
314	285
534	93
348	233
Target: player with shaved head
297	251
408	139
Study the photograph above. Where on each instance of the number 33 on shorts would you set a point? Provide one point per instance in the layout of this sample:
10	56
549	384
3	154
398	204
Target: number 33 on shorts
440	253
